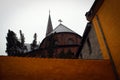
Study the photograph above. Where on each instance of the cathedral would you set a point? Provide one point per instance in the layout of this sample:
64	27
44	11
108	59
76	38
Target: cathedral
60	42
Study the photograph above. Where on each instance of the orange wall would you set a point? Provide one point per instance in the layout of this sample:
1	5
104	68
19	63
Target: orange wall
109	17
100	39
19	68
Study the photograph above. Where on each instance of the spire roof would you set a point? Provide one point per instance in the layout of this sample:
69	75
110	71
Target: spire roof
61	28
49	25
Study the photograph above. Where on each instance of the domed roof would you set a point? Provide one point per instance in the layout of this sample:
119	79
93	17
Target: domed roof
61	28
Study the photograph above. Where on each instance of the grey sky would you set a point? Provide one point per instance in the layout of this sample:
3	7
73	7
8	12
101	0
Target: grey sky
31	16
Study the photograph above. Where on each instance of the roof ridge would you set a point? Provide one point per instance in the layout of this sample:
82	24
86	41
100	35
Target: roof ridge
59	29
68	28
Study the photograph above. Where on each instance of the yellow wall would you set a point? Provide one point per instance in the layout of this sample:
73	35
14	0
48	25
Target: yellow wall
19	68
100	39
109	17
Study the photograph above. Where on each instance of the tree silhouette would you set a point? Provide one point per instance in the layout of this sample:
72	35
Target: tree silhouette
22	41
12	44
34	43
22	38
15	47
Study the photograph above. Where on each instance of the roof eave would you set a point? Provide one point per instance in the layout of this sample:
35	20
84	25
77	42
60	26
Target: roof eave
94	9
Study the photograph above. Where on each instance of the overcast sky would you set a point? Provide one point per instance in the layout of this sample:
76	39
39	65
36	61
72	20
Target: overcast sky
31	16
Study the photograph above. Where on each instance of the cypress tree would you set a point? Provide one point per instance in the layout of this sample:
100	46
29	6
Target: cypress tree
34	43
12	44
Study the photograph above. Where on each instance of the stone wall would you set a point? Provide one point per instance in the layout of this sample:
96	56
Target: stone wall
91	48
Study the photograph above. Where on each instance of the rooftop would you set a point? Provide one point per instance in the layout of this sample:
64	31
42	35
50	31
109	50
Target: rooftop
61	28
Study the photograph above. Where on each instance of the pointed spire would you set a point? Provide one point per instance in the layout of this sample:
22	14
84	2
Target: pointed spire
49	25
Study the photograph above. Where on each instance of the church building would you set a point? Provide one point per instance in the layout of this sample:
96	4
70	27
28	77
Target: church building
60	42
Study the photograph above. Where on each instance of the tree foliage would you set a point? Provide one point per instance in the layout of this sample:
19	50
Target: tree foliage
34	43
22	38
22	43
14	46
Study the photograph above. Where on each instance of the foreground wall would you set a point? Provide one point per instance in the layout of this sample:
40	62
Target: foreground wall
107	26
18	68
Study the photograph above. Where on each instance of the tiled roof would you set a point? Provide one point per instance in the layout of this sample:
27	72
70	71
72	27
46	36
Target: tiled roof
61	28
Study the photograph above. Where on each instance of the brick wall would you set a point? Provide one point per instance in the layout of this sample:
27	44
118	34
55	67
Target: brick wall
64	41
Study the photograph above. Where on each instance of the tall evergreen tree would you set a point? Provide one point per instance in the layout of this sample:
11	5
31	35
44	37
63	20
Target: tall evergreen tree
12	48
34	43
22	38
22	41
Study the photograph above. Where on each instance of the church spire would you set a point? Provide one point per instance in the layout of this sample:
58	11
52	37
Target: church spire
49	25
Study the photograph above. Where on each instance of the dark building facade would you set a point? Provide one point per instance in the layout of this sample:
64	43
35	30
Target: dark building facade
61	42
